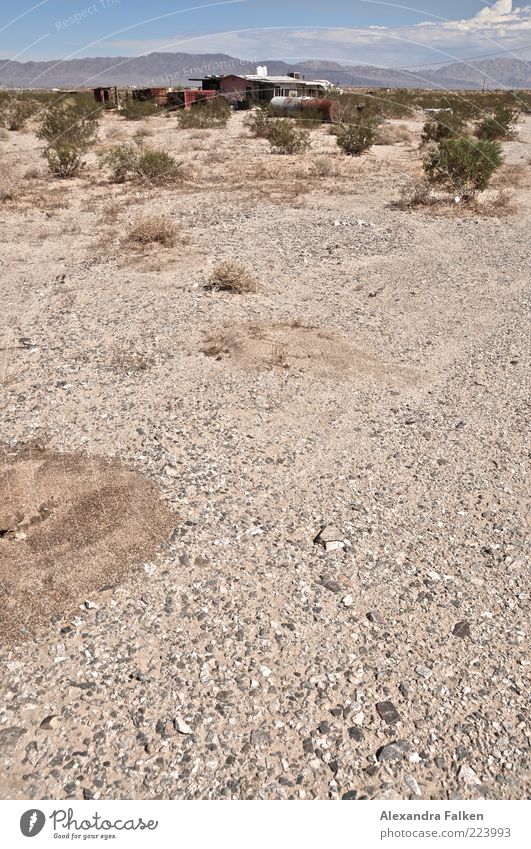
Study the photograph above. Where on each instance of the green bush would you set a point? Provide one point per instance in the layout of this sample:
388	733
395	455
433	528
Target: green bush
354	139
15	112
499	125
464	166
137	110
69	129
143	164
448	126
286	137
258	123
210	114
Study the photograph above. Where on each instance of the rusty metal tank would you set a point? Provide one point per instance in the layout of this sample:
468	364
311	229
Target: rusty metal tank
301	106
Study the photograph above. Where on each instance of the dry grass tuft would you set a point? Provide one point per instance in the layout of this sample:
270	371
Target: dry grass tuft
220	342
392	134
233	277
153	230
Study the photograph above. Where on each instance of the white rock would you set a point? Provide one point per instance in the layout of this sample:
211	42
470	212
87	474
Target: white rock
467	775
182	727
348	601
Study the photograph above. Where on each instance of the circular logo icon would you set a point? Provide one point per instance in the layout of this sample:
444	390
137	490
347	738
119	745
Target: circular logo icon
32	822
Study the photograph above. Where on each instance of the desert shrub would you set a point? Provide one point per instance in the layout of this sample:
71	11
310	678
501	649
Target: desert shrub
354	139
15	112
211	114
232	277
392	134
157	166
500	125
414	193
146	164
464	166
257	123
449	125
151	230
69	129
286	137
137	110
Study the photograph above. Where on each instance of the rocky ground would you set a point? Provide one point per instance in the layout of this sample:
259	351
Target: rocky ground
340	609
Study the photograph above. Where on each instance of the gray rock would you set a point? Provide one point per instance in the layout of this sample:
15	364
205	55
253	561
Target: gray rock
9	738
394	751
388	712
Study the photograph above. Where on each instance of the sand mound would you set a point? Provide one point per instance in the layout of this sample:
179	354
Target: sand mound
317	351
68	526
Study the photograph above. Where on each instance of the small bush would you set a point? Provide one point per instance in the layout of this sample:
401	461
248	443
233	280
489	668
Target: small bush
354	139
211	114
257	123
286	137
69	129
15	113
145	164
498	126
392	134
137	110
449	126
414	193
464	166
153	230
232	277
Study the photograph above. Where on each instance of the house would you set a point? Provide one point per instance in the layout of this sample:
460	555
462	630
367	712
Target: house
260	88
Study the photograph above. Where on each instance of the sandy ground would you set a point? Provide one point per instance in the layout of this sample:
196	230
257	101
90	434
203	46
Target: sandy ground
374	387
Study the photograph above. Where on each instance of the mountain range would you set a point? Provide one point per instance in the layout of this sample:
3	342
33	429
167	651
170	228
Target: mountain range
170	69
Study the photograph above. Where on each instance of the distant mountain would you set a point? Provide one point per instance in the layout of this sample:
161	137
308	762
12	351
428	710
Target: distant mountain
167	69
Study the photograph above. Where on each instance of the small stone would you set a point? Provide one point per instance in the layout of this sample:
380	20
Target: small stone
260	738
388	712
423	671
347	601
181	727
376	617
404	690
9	738
461	629
350	795
412	784
49	723
330	538
394	751
331	585
355	733
467	775
323	728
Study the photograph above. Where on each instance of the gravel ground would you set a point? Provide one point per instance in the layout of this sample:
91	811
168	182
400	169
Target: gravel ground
342	607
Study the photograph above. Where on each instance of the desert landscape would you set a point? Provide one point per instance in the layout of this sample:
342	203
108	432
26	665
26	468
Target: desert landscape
264	484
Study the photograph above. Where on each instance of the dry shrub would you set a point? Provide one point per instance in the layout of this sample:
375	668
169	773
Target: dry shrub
392	134
152	230
498	205
325	166
511	176
33	174
233	277
219	342
417	192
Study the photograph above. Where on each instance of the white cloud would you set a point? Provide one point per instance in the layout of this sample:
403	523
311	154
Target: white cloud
494	28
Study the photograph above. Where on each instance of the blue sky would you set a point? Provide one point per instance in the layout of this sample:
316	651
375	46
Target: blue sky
358	31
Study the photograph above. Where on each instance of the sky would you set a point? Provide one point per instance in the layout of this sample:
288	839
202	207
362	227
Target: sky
406	34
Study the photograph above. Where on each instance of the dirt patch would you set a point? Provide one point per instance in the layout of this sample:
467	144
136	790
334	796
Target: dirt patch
68	526
300	348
